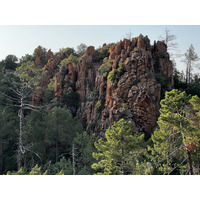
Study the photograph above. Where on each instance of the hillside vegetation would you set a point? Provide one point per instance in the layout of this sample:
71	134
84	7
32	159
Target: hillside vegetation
120	109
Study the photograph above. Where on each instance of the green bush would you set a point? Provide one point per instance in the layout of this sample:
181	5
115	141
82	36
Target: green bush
115	74
51	84
105	75
101	53
64	166
70	99
121	68
112	76
162	79
67	50
106	66
71	59
34	171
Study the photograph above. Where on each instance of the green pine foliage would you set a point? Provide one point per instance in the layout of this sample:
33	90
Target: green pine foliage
101	53
29	74
176	141
34	171
83	153
71	59
117	155
63	167
51	132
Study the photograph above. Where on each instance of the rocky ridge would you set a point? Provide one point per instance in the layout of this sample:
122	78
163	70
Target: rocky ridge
128	84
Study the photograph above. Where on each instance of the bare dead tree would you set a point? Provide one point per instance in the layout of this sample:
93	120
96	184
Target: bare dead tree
172	46
21	84
190	60
20	99
128	35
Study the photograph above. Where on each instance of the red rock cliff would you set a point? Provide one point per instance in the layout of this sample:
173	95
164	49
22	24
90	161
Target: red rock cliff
137	70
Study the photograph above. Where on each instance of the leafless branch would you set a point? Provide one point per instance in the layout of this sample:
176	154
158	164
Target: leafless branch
34	153
12	98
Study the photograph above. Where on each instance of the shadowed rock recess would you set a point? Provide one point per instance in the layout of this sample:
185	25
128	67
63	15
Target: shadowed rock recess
123	80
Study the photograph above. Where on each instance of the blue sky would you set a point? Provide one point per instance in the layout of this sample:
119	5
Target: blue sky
20	40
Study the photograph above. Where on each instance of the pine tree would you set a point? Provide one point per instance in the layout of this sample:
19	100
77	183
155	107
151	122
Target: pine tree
119	153
83	153
61	130
177	138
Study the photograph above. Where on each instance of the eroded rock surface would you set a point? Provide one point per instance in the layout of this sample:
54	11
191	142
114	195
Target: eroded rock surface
137	93
133	93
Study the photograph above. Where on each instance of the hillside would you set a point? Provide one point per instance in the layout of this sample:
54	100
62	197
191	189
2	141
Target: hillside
111	110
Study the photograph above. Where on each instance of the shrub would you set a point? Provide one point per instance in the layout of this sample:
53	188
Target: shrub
101	53
105	75
71	59
106	66
67	50
70	99
121	68
51	84
115	74
162	79
111	76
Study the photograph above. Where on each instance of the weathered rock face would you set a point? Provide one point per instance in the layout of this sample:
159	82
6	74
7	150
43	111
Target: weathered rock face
135	96
48	72
64	80
133	92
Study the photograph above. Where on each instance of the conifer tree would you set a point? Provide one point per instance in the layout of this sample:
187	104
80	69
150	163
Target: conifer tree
177	138
119	153
61	129
83	146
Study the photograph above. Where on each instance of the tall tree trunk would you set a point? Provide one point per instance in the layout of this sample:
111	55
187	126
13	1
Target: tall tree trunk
32	161
57	150
190	163
1	155
189	74
25	162
73	160
21	150
123	161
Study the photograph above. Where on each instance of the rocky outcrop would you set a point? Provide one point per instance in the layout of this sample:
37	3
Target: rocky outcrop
64	80
131	88
136	94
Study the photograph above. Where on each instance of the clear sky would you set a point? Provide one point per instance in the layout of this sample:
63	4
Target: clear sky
21	40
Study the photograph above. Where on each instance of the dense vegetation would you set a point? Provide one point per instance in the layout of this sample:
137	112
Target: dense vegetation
50	139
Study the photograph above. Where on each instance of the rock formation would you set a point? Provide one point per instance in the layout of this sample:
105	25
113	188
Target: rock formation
131	88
